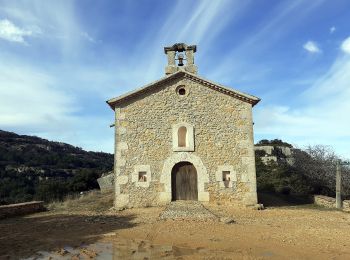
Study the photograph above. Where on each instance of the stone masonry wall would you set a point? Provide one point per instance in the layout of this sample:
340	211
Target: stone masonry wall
330	202
324	201
223	137
21	209
106	182
346	205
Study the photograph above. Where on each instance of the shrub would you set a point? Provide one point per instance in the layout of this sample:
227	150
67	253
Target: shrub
284	179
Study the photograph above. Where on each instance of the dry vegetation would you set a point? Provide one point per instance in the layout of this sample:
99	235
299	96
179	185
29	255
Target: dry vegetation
93	201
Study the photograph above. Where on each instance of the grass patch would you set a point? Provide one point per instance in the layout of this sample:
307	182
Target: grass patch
94	201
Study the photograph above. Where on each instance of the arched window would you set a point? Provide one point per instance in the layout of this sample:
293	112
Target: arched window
181	136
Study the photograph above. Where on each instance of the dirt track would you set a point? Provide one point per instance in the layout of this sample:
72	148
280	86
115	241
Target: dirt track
275	233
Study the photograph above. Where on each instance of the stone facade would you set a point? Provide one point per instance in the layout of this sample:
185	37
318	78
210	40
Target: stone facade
219	132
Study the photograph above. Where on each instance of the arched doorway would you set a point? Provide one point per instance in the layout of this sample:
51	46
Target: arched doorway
184	182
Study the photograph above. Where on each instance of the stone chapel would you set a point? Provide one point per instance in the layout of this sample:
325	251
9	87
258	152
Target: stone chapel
183	137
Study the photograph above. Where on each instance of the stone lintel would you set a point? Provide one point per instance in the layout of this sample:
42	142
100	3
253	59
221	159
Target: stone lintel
180	47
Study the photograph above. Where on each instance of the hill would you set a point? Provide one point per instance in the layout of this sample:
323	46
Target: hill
285	170
35	168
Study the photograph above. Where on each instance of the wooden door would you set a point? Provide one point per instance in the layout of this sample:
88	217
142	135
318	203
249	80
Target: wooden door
184	182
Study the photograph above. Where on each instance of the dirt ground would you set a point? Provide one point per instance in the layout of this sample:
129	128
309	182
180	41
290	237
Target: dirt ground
298	232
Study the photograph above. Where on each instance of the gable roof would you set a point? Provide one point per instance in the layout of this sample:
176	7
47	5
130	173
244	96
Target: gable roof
184	74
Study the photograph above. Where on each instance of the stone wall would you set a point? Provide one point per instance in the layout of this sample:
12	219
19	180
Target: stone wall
330	202
21	209
223	138
346	205
324	201
106	182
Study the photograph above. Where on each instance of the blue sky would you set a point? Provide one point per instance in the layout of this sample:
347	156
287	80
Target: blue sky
61	60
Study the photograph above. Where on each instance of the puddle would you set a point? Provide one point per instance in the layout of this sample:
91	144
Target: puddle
125	249
268	253
143	249
93	251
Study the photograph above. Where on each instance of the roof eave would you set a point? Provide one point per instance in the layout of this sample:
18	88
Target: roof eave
110	103
256	101
232	92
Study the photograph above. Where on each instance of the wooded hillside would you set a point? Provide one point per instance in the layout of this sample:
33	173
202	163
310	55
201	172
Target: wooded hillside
311	171
35	168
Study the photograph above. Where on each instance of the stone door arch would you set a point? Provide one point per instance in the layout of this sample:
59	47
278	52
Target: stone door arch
165	178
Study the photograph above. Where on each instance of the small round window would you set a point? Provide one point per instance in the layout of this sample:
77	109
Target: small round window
181	90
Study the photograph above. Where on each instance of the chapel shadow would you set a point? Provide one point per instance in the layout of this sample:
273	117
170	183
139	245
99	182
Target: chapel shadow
24	236
282	200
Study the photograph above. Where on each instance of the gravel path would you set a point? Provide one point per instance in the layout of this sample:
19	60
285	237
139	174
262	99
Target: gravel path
184	209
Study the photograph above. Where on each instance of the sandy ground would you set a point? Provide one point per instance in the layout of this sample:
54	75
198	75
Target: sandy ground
274	233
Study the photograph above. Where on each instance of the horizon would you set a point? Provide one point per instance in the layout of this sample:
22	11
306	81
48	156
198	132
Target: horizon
65	59
55	141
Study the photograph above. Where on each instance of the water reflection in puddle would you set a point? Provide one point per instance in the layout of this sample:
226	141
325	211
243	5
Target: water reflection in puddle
125	249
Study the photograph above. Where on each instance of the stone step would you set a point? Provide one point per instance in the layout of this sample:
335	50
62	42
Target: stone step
186	209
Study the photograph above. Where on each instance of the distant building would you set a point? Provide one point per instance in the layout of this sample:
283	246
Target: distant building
183	137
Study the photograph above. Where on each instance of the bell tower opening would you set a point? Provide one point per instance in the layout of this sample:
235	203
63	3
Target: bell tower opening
180	57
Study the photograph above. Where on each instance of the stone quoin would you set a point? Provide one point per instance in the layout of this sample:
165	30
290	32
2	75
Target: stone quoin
183	137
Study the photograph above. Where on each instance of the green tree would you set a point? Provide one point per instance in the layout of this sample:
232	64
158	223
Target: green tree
83	180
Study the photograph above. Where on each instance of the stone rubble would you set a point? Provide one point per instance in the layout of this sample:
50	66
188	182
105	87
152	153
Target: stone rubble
187	210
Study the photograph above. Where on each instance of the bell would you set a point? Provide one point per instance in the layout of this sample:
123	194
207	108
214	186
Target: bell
180	58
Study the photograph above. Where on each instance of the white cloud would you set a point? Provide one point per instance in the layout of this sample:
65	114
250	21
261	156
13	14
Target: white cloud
345	46
332	29
241	59
311	47
320	116
28	97
199	23
10	32
200	27
35	102
87	37
57	19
